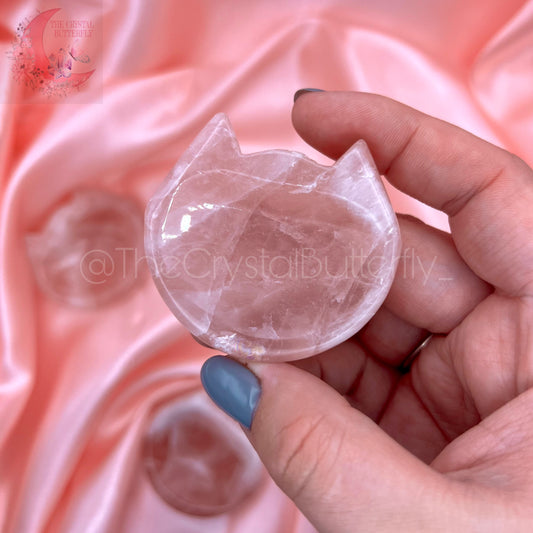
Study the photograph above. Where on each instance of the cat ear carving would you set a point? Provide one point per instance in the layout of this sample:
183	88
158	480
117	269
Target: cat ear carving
357	156
355	174
217	137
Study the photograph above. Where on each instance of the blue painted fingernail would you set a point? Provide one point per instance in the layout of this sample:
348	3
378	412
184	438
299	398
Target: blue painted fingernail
299	92
232	387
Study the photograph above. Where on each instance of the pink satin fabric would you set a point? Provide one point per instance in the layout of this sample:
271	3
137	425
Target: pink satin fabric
76	386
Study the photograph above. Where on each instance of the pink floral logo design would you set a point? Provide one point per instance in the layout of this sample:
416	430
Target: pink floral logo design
50	74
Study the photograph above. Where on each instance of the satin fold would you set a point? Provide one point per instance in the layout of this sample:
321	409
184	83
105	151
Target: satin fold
77	387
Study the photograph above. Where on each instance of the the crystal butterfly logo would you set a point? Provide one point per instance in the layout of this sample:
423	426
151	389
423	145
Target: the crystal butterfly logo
54	71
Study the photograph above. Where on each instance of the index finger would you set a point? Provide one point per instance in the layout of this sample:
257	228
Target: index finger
486	191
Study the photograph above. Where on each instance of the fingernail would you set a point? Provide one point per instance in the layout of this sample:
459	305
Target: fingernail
299	92
232	387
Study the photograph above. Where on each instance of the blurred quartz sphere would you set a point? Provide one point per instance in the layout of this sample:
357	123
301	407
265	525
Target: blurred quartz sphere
198	459
90	249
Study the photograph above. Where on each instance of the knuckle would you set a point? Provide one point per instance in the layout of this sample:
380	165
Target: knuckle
306	448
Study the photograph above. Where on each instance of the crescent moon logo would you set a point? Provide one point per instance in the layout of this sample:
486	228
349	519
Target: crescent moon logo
49	73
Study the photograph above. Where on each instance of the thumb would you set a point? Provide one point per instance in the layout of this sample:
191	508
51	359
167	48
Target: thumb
341	470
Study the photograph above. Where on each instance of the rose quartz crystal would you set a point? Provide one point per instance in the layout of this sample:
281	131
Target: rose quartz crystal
89	251
270	255
198	459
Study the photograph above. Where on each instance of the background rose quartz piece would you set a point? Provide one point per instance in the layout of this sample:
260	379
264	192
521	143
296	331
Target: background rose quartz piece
198	459
271	255
89	251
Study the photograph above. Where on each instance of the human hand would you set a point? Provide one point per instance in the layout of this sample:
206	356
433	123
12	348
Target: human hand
448	446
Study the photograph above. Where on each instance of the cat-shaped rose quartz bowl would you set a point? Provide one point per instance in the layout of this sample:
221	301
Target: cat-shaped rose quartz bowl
271	256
